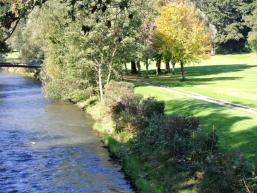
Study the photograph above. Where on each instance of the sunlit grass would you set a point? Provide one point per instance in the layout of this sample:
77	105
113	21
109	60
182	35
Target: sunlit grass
225	77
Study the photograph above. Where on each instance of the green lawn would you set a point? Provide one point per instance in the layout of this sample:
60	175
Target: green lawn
237	130
226	77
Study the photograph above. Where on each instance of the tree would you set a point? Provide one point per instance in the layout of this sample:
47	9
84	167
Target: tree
252	37
84	44
180	33
229	18
11	12
108	32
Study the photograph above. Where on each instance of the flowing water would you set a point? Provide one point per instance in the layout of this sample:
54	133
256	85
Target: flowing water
50	147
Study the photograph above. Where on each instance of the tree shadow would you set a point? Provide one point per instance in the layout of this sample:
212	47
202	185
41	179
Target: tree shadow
194	75
176	81
216	69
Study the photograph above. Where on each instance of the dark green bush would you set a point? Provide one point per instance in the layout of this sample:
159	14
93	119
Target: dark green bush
186	143
184	126
228	173
126	115
151	106
150	136
131	113
191	152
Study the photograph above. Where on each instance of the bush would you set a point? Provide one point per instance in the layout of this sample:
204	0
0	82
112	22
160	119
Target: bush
126	114
188	145
184	126
150	137
179	137
151	106
132	115
116	92
228	173
125	122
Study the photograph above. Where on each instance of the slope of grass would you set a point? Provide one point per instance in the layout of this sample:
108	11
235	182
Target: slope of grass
225	77
237	131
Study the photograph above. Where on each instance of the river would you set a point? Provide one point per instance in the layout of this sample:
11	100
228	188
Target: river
50	147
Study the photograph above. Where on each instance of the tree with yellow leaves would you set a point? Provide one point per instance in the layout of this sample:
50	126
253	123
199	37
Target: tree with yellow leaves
181	33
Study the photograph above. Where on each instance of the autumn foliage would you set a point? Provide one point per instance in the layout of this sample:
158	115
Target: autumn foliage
181	34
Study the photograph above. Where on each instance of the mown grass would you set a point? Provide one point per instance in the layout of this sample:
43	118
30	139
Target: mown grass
225	77
237	131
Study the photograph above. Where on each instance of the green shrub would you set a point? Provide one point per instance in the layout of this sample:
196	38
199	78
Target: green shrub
228	173
179	136
184	126
151	106
125	122
116	92
126	114
150	136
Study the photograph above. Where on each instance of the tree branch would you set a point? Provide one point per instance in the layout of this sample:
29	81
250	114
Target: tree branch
9	34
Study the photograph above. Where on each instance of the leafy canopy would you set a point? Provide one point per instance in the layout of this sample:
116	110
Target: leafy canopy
252	38
228	16
180	32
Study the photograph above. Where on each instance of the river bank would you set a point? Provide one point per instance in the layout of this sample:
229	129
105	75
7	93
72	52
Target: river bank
113	142
155	173
33	73
161	153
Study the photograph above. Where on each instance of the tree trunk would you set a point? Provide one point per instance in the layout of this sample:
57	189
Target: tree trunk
182	71
100	84
173	68
158	66
213	51
122	76
133	67
109	74
126	68
167	66
147	68
138	64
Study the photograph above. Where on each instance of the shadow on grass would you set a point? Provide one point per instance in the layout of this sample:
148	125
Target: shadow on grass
194	73
214	116
216	69
176	80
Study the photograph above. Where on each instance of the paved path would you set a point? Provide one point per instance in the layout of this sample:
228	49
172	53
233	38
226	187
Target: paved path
203	97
